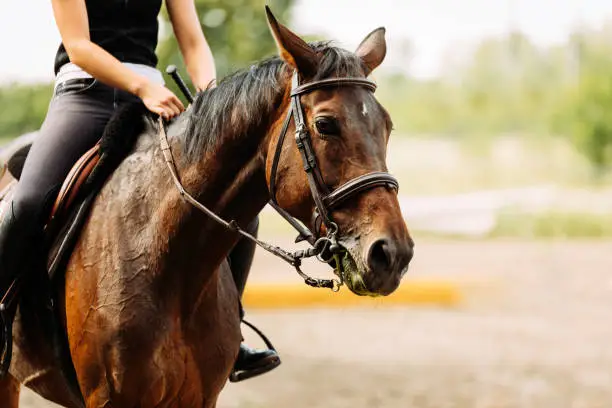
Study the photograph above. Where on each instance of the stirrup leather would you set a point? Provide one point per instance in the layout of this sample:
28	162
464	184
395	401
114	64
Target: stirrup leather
6	339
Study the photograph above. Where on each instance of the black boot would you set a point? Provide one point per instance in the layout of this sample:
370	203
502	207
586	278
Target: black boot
15	245
253	362
250	362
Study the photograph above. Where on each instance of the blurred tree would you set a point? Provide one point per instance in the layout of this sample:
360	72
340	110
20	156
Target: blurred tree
507	84
23	108
237	31
586	111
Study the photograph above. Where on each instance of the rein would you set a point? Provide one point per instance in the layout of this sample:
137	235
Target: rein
324	199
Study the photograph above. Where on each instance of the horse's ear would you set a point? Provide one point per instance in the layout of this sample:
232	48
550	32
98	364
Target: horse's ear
292	49
373	49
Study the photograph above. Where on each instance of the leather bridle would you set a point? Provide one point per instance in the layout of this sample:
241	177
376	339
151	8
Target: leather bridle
324	199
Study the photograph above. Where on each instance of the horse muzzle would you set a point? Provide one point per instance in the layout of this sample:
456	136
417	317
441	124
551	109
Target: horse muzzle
374	269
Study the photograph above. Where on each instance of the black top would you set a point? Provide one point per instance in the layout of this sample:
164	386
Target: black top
125	28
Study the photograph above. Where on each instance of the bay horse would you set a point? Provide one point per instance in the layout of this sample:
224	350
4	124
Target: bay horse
151	312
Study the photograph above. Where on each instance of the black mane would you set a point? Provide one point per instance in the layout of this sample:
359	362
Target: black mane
245	98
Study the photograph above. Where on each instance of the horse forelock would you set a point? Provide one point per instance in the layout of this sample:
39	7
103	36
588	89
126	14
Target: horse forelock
246	98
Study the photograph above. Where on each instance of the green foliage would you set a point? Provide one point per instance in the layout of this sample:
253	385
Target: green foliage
552	224
507	85
510	85
237	31
586	112
23	108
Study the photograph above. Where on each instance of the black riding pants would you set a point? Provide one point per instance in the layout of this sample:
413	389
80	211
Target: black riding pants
77	115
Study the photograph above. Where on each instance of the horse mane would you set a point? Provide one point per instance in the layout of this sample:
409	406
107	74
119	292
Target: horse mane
247	97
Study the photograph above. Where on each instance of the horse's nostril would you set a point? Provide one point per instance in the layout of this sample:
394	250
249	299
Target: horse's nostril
380	256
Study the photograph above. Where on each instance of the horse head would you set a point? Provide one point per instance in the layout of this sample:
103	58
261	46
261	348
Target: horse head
346	132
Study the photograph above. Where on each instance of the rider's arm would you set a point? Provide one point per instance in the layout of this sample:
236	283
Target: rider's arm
194	47
72	22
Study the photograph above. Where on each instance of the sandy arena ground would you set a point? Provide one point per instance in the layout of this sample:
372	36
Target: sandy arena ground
535	331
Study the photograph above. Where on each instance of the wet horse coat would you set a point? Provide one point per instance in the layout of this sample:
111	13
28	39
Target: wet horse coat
151	310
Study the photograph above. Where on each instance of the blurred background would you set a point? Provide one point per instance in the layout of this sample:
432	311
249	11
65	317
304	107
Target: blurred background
503	148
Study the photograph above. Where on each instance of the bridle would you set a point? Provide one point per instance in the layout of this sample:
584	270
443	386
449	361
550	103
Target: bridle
324	199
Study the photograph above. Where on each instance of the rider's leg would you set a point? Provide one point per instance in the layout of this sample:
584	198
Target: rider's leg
250	362
74	123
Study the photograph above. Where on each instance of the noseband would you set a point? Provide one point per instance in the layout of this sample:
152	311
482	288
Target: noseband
324	199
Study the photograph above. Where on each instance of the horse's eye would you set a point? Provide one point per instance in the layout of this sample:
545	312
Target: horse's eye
327	126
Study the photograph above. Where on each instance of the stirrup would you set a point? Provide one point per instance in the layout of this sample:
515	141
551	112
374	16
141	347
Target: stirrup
237	376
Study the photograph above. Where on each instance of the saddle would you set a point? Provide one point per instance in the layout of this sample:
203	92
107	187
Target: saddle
67	216
72	184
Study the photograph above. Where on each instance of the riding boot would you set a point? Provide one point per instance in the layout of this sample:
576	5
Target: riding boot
15	246
250	362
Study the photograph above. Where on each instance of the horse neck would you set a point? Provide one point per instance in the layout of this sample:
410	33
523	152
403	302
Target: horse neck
229	180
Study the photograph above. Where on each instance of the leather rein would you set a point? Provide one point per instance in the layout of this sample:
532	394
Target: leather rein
324	199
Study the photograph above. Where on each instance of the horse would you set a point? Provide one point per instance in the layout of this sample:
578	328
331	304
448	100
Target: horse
150	310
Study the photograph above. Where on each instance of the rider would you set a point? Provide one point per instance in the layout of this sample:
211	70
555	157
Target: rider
106	59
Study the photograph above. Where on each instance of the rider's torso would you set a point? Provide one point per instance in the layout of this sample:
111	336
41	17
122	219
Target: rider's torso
127	29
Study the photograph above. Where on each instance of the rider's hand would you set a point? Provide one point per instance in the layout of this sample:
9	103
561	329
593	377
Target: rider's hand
159	99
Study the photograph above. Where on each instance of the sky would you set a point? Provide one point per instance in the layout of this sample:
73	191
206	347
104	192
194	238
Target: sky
433	28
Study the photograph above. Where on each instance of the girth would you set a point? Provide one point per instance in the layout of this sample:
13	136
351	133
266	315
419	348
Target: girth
324	200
